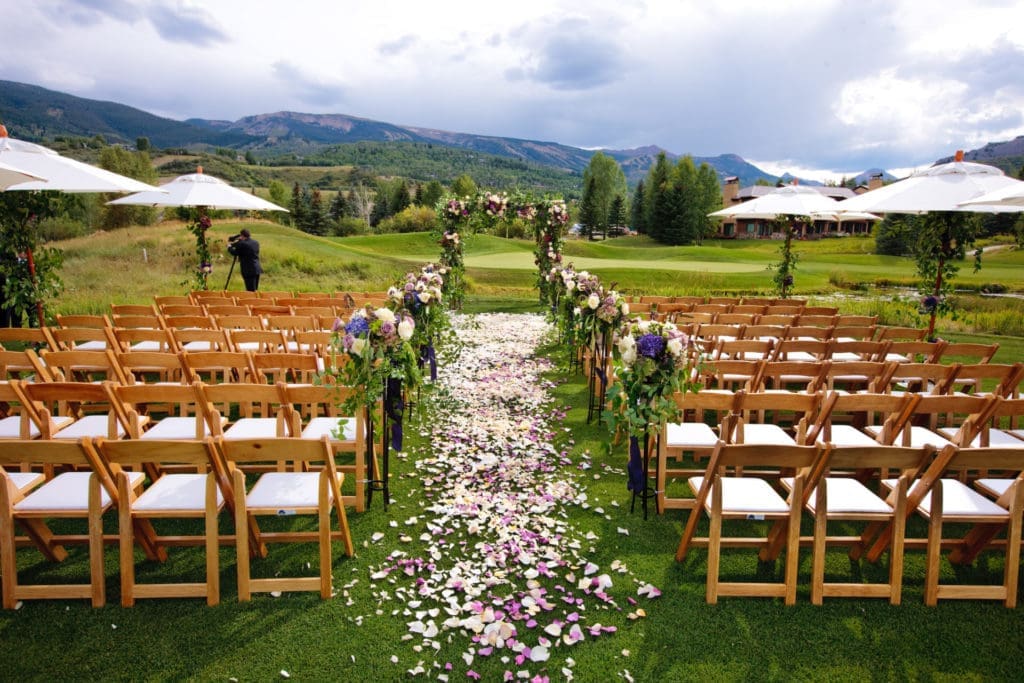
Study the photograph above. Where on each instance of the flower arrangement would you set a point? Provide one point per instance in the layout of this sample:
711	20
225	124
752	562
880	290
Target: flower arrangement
452	268
198	227
549	219
378	356
602	313
493	204
653	360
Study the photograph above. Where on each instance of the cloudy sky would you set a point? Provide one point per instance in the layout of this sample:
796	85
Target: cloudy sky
803	85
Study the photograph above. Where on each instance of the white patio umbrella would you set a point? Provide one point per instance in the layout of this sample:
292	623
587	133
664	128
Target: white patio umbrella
944	187
796	200
202	192
841	217
199	190
1009	198
61	173
9	175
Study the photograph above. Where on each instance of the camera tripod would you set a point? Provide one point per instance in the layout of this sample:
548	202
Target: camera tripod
230	271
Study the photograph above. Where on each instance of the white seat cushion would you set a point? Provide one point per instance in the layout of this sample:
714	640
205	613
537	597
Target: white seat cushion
69	492
10	428
176	492
175	428
919	437
692	434
848	435
253	428
94	345
23	481
997	438
285	491
995	487
745	495
90	425
198	346
767	435
149	345
846	495
247	346
958	500
326	426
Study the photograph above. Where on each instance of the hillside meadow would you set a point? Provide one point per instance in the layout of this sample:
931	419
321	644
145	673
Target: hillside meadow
133	264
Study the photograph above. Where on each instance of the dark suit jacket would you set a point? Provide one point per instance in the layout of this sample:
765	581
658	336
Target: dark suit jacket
248	253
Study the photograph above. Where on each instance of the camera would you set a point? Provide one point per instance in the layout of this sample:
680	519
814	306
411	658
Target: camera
234	238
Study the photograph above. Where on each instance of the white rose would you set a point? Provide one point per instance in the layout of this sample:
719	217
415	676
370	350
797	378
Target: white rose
424	297
626	343
593	301
643	325
393	293
625	309
629	355
385	315
358	344
576	311
569	285
675	347
405	329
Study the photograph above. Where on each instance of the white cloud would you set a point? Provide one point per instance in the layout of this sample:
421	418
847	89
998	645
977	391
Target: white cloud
827	84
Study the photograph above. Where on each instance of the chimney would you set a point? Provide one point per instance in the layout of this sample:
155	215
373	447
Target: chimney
875	181
959	156
730	189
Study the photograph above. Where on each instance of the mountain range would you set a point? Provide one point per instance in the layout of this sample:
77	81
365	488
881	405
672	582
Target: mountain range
36	113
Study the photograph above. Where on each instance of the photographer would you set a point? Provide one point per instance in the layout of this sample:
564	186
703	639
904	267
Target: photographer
247	251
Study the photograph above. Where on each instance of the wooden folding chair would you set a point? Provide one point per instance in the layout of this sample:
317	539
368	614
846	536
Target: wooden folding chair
793	375
61	410
922	378
858	375
80	320
258	341
217	367
171	411
36	337
843	417
692	434
81	338
845	498
198	494
916	351
748	498
253	410
799	410
286	493
132	309
14	423
965	415
889	333
147	367
1000	379
81	494
318	415
952	501
200	340
730	375
287	368
24	365
142	339
82	366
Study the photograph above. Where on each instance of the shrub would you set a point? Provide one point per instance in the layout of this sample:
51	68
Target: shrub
347	226
410	219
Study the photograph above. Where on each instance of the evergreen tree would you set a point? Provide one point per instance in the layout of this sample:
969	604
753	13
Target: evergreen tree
638	220
609	182
710	200
417	197
380	208
589	216
316	218
339	208
298	207
617	213
658	207
399	198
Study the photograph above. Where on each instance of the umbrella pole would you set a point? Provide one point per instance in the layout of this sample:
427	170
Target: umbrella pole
32	275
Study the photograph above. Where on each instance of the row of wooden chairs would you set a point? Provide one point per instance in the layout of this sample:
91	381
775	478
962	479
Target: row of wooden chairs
71	410
731	301
828	483
102	477
840	418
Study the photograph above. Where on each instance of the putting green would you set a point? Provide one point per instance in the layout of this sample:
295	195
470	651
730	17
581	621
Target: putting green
519	260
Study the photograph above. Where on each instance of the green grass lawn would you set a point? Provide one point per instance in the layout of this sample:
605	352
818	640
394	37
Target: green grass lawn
354	635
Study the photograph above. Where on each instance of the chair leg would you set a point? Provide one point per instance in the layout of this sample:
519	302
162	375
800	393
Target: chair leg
96	575
325	541
933	554
241	537
897	549
212	543
8	564
793	541
126	543
1013	533
818	554
714	541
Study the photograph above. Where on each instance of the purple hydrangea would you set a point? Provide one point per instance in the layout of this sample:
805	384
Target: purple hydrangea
650	345
357	326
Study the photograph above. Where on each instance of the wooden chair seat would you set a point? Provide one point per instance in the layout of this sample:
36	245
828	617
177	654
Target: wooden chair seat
847	496
690	436
68	492
175	427
319	427
960	503
254	428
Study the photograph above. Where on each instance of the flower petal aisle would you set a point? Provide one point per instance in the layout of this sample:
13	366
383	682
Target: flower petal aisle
503	569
